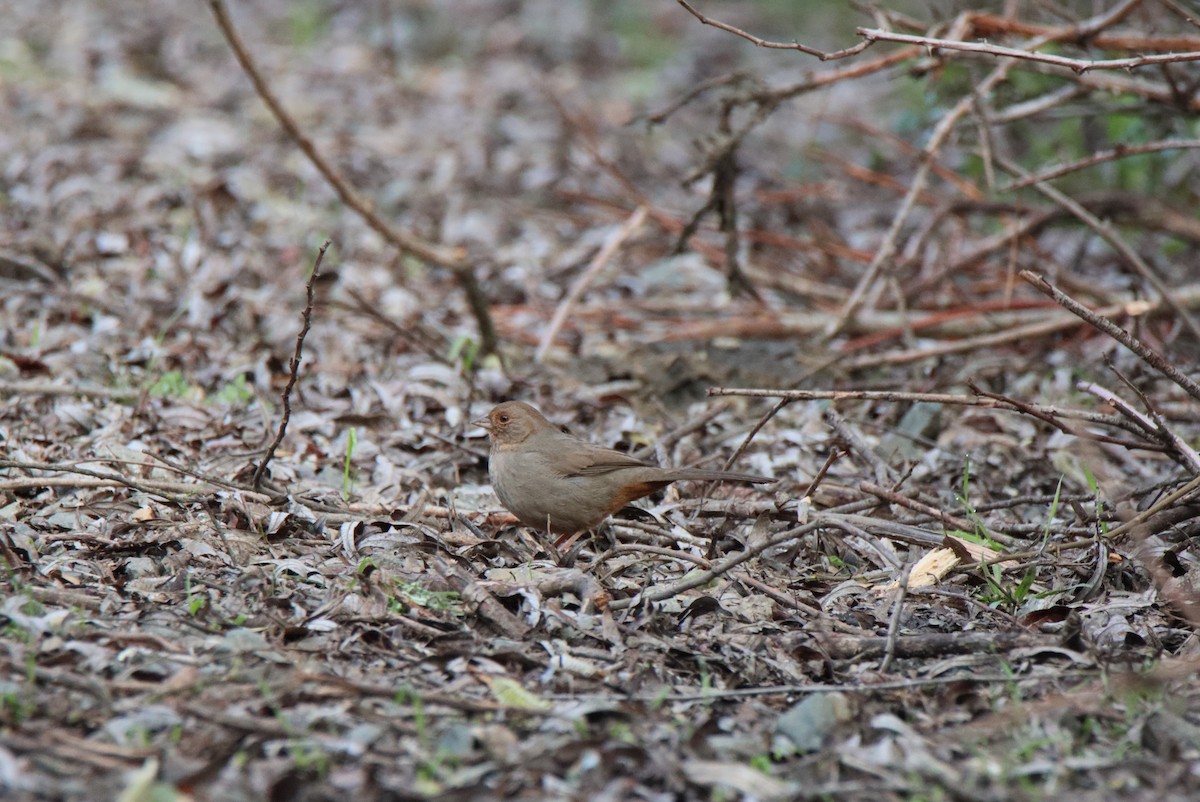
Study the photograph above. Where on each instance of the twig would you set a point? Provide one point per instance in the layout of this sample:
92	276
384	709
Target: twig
1182	11
1154	423
415	245
1119	152
669	439
987	401
941	643
1044	414
452	258
856	524
726	142
942	130
777	595
893	633
1038	105
883	471
1140	211
737	453
149	486
644	548
980	342
724	202
415	332
849	395
354	689
1103	324
1091	34
812	51
834	455
602	258
1117	243
660	116
888	246
295	368
60	390
1170	439
944	518
876	326
1118	403
157	484
699	578
1162	504
1078	66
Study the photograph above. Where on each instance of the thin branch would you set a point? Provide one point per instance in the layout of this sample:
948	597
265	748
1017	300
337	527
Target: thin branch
987	401
699	578
1033	410
661	116
453	258
893	633
295	368
971	643
856	445
1119	152
899	499
1120	404
1025	333
833	456
1166	502
1116	242
669	439
1092	34
611	244
432	344
1078	66
737	453
148	486
1154	422
812	51
1172	441
1103	324
941	131
1182	11
888	246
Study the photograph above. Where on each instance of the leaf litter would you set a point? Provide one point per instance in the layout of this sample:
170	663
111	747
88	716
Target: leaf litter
371	622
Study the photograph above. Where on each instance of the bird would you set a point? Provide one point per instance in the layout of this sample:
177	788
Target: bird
557	482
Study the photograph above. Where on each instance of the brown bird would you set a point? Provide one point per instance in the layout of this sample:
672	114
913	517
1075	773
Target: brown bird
551	479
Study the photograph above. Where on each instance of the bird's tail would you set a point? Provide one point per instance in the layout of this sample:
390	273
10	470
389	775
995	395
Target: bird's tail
698	475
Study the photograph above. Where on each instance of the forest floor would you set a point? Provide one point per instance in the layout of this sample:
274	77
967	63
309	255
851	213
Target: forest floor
975	578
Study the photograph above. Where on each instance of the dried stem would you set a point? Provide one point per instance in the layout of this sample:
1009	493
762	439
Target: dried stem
294	372
812	51
1103	324
1118	244
453	258
611	244
1079	66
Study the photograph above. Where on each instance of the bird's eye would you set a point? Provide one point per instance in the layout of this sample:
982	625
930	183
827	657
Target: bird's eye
502	418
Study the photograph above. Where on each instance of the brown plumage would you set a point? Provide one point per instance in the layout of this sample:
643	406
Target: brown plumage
551	479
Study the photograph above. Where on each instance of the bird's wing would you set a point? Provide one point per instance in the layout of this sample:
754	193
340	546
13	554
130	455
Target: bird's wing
593	460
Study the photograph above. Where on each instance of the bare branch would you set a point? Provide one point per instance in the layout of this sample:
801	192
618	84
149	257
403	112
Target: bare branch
294	372
1100	323
1078	66
453	258
812	51
1119	152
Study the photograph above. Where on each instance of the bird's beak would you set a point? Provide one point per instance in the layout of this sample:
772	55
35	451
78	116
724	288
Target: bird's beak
483	423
